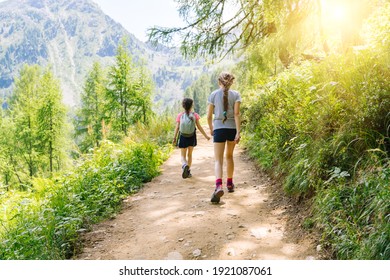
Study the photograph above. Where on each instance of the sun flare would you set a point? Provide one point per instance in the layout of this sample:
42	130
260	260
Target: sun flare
334	12
339	13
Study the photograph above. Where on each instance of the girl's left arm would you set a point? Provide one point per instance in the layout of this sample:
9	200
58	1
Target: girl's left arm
237	120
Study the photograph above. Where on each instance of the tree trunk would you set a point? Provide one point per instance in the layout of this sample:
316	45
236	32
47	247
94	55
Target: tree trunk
51	156
51	146
30	148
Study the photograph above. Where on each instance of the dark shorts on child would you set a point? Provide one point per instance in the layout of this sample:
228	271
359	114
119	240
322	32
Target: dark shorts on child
224	134
185	142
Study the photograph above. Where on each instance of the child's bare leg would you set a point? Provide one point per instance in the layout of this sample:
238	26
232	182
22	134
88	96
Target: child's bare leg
184	156
189	156
219	149
229	158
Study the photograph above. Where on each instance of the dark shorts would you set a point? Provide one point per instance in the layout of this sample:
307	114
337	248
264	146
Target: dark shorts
224	134
185	142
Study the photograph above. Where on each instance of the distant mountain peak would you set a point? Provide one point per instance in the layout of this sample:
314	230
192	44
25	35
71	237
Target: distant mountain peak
69	36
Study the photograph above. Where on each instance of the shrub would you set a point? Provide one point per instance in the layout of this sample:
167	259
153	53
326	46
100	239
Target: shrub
45	223
325	127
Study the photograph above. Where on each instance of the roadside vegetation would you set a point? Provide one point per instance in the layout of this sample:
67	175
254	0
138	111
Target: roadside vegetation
322	127
51	190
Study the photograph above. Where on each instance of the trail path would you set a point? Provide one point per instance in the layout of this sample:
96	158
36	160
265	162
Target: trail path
173	218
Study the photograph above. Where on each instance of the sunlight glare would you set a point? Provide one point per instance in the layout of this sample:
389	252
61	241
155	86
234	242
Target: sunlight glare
334	12
339	13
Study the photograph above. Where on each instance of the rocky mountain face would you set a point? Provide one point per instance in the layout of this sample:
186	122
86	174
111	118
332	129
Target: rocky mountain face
68	36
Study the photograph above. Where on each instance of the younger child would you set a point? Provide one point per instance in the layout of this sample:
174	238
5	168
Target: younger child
185	124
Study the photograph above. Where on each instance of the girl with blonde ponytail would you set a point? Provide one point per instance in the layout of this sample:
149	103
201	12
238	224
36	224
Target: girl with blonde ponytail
224	104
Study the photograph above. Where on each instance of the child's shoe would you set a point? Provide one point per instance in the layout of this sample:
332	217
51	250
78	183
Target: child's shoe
218	193
230	188
186	171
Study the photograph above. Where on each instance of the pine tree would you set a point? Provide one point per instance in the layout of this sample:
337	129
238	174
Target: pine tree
51	121
35	125
5	132
143	85
119	91
23	108
128	92
91	115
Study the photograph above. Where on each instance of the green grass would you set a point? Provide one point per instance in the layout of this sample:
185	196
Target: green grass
355	218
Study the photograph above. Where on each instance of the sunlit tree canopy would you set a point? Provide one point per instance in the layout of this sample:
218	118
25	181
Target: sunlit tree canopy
221	27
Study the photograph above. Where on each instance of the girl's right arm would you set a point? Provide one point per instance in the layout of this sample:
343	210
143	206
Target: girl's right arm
210	112
202	130
176	134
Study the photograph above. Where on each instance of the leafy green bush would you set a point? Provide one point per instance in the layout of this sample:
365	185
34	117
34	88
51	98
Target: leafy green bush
45	222
355	218
325	128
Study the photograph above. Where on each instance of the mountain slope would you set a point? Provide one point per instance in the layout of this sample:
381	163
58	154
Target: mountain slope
69	36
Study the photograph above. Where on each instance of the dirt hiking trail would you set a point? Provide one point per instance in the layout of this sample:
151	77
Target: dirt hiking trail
172	218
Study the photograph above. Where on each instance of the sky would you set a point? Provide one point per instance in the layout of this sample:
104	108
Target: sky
139	15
